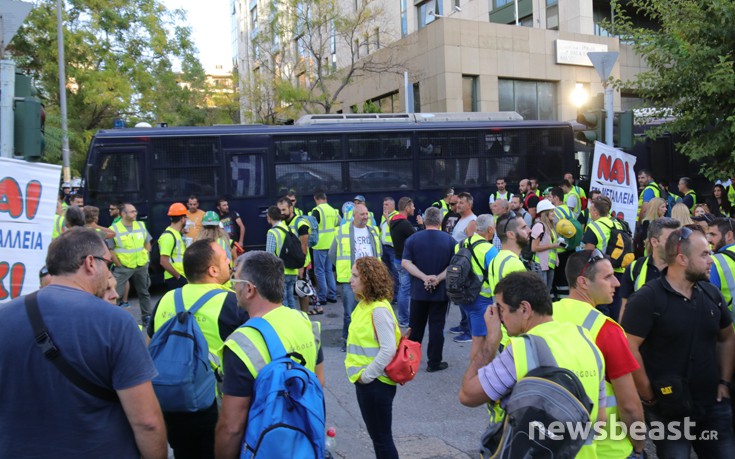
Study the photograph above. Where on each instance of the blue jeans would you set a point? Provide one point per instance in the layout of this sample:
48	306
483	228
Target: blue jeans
324	276
476	315
288	289
348	305
404	294
717	420
376	406
389	257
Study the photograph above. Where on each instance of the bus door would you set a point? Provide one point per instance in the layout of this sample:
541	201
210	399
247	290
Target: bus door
246	191
115	173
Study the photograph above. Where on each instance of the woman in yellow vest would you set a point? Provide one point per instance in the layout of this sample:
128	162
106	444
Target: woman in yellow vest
544	242
372	341
211	229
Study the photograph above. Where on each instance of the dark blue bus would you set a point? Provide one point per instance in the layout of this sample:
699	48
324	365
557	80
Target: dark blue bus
375	155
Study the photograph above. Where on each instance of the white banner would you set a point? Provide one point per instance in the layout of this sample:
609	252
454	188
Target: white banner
613	174
28	193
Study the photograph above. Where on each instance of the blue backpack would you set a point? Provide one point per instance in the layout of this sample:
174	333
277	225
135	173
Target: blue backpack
313	228
287	415
185	381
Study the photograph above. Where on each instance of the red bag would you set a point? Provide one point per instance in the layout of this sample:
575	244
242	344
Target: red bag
405	364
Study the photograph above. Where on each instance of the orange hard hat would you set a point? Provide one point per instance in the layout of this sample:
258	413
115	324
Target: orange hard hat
177	210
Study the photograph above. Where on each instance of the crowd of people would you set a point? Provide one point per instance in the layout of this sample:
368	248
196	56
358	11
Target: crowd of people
650	336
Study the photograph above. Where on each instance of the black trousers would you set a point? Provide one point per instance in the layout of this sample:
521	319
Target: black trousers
435	313
376	405
172	283
191	435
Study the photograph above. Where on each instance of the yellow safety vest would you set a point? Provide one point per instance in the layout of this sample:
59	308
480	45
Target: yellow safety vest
349	216
385	237
176	255
578	208
280	239
694	199
639	280
601	229
443	206
59	221
504	263
725	270
362	345
553	253
572	349
293	327
580	313
297	212
301	223
207	316
563	212
345	254
328	223
656	193
480	252
130	244
580	191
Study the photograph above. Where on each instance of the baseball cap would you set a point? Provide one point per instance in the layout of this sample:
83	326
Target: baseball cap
359	197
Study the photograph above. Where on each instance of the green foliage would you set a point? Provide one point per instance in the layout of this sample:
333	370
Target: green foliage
370	107
120	60
691	72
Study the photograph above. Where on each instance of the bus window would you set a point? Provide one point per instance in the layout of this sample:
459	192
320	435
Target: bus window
448	159
305	179
183	166
380	175
116	176
302	149
377	146
248	177
516	154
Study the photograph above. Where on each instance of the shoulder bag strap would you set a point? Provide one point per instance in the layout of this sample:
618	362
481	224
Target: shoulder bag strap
52	353
474	257
272	341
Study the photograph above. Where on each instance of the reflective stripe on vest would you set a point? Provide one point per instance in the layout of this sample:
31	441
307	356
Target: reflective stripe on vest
280	239
480	251
553	253
725	272
639	281
328	223
59	221
656	192
362	345
694	199
385	237
130	244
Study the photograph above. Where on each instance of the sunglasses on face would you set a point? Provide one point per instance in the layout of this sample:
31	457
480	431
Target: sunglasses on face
107	262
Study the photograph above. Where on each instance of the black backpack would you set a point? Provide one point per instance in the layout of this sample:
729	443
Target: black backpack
463	285
546	394
620	246
291	254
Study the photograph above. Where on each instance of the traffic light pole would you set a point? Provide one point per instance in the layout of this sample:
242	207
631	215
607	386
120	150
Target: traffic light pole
609	114
66	163
7	120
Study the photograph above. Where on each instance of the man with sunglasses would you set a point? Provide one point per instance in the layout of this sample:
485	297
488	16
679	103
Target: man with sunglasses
514	235
648	268
721	237
101	343
592	281
681	334
191	434
450	218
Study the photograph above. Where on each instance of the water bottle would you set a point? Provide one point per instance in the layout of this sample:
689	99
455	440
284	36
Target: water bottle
330	444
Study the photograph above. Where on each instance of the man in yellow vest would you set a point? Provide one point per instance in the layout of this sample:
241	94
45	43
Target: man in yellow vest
389	254
443	204
592	281
208	267
571	198
172	248
578	189
642	270
353	240
721	237
514	235
58	221
291	195
348	216
259	288
523	305
130	251
300	226
328	219
274	241
649	190
688	195
597	236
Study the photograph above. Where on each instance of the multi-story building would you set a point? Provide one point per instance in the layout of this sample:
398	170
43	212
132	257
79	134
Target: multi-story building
459	55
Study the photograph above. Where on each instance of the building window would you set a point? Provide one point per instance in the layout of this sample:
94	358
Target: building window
428	11
357	49
254	21
469	93
552	14
500	3
404	18
533	100
377	38
388	103
416	98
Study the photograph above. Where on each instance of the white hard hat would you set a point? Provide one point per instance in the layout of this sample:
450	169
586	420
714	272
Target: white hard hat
303	289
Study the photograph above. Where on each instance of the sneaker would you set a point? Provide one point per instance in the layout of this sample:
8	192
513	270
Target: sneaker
463	338
438	367
457	330
124	305
343	347
331	301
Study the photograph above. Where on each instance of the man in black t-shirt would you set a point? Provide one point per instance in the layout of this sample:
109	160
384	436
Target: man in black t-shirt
679	330
231	222
451	217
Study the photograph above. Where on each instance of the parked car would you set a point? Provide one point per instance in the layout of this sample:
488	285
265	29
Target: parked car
379	179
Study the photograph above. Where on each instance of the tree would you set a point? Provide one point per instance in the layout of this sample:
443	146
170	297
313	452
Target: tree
120	59
310	51
689	53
